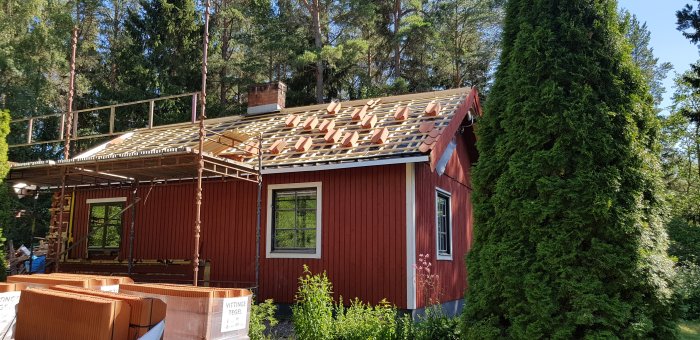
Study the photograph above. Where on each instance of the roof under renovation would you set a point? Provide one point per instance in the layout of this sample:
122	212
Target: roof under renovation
340	132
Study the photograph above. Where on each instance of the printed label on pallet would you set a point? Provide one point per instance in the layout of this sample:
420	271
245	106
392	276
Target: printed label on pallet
8	310
234	315
110	288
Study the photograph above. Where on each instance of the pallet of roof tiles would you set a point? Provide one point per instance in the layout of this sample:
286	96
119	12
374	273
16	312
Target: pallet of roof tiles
200	312
9	297
101	282
50	314
46	280
146	312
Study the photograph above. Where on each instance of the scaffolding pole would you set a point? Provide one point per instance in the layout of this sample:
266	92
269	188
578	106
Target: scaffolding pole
200	164
66	148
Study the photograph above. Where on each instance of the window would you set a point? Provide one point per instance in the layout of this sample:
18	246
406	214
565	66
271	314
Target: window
105	225
294	218
443	224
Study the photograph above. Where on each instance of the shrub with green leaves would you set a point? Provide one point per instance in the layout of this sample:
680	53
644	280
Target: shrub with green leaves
361	321
435	324
568	238
261	315
688	289
312	313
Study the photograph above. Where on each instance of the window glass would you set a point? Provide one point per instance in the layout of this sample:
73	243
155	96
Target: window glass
105	225
443	224
294	220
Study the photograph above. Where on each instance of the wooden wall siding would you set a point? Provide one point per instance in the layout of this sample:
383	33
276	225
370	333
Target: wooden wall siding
363	231
363	239
452	274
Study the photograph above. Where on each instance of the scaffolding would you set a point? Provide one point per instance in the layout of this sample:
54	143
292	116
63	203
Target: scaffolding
184	163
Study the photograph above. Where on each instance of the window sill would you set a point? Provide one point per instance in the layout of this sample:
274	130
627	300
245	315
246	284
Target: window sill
444	257
293	255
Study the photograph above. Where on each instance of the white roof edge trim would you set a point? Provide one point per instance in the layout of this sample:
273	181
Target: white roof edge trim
347	165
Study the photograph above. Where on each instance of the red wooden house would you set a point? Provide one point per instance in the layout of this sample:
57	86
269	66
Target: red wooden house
358	189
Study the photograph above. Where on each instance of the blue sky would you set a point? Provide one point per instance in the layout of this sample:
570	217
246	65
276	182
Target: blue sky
668	43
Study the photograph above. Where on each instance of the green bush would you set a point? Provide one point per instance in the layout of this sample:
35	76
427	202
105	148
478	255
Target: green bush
436	325
313	312
688	290
362	321
261	315
568	237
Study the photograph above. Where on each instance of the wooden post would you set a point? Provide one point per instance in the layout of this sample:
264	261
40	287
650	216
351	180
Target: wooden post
30	127
151	106
112	115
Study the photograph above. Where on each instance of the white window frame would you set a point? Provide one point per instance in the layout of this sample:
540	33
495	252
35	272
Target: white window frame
438	192
105	200
268	238
90	202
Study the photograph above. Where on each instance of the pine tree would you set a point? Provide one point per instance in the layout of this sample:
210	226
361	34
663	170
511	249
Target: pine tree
568	241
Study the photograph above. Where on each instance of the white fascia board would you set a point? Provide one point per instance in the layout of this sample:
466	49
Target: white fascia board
358	164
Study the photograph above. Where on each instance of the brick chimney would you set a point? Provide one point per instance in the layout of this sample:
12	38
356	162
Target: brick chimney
266	98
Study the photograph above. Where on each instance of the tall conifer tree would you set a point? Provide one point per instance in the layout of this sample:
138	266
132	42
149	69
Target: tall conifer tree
568	239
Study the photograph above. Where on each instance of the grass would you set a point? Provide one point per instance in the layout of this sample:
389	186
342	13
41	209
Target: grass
690	330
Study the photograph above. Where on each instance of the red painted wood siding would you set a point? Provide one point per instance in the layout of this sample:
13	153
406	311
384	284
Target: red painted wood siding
456	180
363	248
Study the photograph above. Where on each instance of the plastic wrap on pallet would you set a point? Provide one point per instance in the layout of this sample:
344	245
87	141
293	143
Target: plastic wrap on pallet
145	312
199	312
8	312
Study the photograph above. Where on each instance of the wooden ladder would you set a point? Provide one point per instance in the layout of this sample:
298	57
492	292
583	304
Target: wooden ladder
55	211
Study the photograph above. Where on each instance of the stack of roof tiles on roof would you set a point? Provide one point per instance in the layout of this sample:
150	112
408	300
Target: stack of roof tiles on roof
393	127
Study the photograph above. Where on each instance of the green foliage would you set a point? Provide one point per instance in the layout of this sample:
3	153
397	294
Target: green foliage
262	315
361	321
569	241
313	311
688	290
434	324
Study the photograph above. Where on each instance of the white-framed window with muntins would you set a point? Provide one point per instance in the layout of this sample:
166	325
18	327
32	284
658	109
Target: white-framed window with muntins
443	224
294	220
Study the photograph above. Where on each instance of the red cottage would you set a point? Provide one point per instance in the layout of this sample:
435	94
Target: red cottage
358	189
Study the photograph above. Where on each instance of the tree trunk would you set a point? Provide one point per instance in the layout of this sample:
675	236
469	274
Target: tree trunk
318	40
697	145
397	46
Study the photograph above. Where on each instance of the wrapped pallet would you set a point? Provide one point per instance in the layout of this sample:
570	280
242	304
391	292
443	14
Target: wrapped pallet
146	312
199	312
44	280
9	297
106	283
50	314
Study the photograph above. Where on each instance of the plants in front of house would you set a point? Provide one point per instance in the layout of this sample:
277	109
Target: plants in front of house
313	312
262	315
316	316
